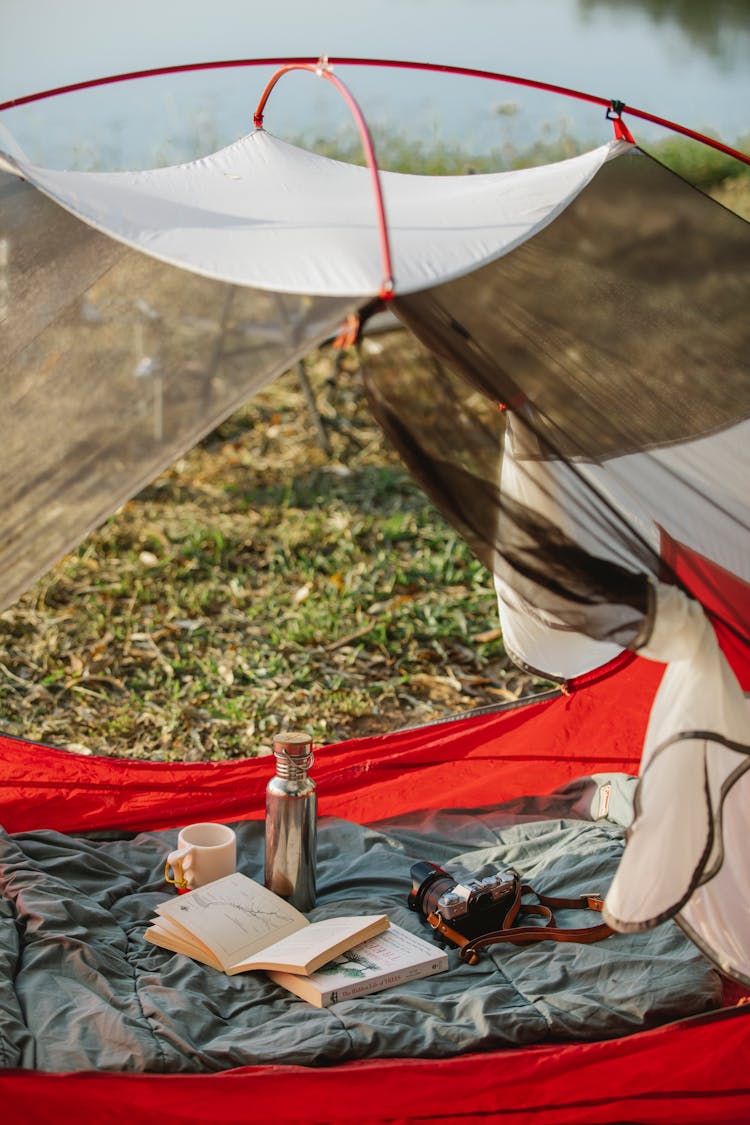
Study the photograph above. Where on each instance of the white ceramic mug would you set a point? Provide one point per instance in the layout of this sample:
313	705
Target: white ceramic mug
204	852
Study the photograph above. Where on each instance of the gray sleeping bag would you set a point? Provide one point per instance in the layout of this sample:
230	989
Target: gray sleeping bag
80	989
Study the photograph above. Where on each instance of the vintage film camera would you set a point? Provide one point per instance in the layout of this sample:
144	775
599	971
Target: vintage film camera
472	907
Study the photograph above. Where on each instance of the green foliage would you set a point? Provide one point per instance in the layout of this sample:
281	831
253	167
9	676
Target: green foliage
698	163
694	161
399	152
719	174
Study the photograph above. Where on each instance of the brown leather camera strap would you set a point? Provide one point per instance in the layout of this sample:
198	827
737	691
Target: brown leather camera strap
525	935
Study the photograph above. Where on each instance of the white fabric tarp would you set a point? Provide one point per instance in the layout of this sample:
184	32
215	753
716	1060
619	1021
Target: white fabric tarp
266	214
687	845
685	855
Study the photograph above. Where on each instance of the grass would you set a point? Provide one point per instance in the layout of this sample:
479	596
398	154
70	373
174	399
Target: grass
259	582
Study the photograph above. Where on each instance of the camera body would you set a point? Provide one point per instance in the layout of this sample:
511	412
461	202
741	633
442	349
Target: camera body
472	907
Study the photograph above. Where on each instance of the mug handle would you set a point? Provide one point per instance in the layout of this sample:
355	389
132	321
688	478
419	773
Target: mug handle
174	861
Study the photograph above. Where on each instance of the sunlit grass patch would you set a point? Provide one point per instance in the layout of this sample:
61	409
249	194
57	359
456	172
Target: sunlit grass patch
259	581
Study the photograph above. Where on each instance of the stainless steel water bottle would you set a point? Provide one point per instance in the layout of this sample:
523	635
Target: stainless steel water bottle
292	821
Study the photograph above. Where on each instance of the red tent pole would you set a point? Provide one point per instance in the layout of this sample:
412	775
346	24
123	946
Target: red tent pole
468	72
323	70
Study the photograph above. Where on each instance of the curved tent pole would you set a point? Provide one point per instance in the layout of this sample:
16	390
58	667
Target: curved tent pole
323	69
468	72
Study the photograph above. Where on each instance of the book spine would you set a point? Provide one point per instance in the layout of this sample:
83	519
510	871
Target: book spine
387	980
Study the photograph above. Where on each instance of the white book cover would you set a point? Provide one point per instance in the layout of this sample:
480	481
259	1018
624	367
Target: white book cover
383	961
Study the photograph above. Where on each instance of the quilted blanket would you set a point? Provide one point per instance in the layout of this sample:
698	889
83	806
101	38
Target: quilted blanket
80	989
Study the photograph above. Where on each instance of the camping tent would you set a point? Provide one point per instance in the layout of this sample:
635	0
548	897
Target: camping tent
600	302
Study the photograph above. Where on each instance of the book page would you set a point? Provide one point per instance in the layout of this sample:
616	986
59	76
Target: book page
234	916
167	927
305	951
175	943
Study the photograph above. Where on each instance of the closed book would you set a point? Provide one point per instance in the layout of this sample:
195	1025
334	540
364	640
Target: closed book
389	959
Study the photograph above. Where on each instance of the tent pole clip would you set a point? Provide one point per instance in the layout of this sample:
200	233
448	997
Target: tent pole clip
614	113
614	110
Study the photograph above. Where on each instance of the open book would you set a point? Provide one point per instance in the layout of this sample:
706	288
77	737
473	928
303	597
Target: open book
235	924
390	958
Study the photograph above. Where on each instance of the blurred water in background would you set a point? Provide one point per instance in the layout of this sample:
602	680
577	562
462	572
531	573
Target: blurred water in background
687	60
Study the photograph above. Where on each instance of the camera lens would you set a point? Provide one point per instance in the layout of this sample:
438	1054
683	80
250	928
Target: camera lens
429	882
